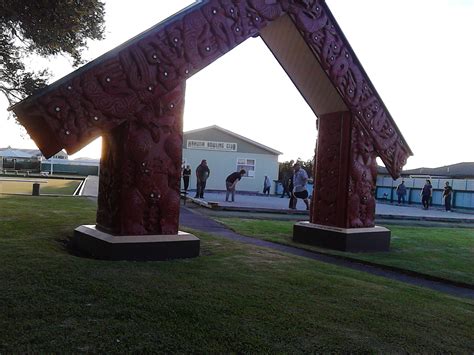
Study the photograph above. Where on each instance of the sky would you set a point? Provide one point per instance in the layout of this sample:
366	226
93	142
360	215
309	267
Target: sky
418	54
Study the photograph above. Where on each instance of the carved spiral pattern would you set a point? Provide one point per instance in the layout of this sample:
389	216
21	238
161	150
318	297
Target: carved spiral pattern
127	88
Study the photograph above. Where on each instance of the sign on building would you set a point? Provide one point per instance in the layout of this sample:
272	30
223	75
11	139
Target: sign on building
211	145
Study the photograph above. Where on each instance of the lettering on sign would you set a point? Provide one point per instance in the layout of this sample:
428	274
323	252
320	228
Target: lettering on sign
210	145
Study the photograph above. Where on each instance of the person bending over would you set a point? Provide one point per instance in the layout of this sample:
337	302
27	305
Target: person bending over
231	182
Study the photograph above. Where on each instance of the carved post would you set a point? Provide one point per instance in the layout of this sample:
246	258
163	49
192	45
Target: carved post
343	195
346	174
138	202
329	205
140	171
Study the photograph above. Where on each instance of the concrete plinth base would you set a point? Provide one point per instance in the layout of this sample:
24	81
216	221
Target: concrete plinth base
350	239
97	244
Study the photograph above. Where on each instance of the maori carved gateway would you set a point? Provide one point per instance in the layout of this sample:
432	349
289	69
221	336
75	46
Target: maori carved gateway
134	97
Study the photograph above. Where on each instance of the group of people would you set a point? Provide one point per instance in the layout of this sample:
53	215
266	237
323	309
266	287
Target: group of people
294	186
426	194
202	174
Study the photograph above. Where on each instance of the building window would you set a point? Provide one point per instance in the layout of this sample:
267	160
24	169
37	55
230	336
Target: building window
248	165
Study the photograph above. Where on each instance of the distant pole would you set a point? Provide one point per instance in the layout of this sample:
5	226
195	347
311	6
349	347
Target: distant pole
51	165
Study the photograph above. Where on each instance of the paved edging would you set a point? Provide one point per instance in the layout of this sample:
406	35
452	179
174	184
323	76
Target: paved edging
423	218
216	207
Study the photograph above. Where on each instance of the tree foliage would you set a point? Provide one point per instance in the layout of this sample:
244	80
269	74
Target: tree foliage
286	168
45	28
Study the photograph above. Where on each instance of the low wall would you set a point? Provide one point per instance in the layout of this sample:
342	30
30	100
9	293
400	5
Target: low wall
463	191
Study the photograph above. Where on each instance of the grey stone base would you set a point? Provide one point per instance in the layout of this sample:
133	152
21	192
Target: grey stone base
97	244
344	239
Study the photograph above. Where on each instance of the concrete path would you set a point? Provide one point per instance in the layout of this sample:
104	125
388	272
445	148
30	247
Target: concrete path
191	218
275	204
91	186
280	205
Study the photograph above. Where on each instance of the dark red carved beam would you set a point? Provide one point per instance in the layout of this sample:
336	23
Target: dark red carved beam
115	87
334	53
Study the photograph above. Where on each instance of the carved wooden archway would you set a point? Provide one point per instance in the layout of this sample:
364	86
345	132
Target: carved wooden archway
133	96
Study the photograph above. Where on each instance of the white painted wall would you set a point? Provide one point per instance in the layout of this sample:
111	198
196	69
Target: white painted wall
221	164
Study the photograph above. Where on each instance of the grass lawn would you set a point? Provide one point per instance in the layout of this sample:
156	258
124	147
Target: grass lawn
233	298
441	252
47	186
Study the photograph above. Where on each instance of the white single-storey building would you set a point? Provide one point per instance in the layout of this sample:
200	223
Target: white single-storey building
227	152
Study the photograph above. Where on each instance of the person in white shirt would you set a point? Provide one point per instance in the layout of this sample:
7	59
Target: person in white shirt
300	179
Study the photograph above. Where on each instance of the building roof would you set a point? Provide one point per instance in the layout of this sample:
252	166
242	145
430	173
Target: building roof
458	170
13	153
238	136
55	161
27	153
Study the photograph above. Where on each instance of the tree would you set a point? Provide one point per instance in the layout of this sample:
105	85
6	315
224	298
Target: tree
286	168
44	28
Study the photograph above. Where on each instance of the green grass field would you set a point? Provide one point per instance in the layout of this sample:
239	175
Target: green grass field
47	186
441	252
234	298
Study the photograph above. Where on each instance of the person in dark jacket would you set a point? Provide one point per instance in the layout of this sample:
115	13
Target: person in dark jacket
447	193
202	174
231	182
286	185
186	176
401	192
292	202
426	194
